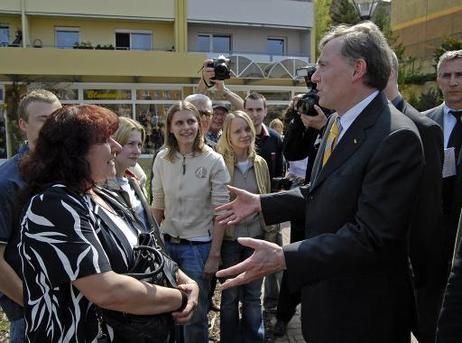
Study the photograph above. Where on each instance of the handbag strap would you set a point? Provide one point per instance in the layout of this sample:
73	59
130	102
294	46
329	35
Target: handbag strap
146	253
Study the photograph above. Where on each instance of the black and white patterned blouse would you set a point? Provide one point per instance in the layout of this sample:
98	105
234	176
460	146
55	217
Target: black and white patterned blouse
62	240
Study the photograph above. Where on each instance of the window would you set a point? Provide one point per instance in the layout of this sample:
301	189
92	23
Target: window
4	35
275	46
126	40
67	37
213	43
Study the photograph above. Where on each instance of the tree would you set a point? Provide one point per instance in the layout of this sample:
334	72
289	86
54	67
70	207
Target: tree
343	12
323	21
449	43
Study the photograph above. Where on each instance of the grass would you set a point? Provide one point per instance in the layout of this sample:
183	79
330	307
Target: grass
4	327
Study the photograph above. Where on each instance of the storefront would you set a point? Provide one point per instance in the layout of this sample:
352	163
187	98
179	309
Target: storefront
147	103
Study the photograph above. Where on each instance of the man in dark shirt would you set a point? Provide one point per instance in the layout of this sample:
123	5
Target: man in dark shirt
268	141
33	110
269	146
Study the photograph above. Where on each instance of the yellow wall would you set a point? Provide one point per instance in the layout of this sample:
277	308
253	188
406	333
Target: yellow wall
422	25
76	62
100	31
108	8
406	13
10	5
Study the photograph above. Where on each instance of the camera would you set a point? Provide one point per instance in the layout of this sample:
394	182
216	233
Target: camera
306	103
281	184
221	68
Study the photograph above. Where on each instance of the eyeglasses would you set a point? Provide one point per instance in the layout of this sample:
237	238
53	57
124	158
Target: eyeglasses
206	113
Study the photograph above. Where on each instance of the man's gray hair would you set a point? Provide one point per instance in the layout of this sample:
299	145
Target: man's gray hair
393	61
200	99
448	56
366	41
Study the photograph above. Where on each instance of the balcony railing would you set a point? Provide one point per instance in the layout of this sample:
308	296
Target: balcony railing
259	57
36	44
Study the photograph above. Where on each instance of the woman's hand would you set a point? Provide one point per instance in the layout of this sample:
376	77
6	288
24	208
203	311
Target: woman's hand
191	288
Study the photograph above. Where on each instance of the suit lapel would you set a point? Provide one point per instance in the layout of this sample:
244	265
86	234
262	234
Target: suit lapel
438	116
317	165
350	142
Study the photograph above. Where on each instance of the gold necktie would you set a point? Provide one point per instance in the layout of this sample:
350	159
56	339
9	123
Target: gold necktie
332	138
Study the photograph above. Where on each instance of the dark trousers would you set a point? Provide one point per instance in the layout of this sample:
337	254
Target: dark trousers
288	302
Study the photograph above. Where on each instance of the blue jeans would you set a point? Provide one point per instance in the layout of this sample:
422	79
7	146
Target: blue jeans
191	259
250	327
17	331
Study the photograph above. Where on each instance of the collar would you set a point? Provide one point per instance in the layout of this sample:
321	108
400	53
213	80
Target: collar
398	101
264	131
129	173
446	110
349	116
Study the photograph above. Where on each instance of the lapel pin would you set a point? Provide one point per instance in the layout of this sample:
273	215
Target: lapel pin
355	141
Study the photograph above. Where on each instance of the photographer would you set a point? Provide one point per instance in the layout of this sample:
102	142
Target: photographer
209	83
305	121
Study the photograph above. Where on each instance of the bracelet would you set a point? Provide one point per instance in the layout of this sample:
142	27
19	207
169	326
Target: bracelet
184	301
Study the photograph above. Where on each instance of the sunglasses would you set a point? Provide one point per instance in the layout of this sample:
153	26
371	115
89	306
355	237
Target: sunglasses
206	113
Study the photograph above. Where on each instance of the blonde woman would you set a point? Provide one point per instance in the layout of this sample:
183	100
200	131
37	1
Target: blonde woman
248	171
189	182
131	135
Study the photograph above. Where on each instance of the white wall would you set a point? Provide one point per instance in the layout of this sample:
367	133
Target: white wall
287	13
246	39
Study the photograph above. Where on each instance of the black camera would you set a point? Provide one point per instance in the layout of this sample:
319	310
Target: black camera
306	103
221	68
281	184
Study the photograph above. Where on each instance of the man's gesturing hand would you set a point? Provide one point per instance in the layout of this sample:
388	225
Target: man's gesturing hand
242	206
267	258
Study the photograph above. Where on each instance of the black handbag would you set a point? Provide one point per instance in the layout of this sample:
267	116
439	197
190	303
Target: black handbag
152	265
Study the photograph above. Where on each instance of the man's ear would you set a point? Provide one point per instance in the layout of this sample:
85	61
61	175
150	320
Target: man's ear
22	124
359	68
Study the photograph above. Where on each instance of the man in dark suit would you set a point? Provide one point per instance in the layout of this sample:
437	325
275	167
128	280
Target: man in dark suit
447	115
450	321
352	268
426	238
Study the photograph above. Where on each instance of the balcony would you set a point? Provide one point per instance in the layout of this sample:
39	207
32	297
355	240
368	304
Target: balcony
52	61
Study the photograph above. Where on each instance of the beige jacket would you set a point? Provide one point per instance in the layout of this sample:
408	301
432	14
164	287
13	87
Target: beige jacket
264	186
188	190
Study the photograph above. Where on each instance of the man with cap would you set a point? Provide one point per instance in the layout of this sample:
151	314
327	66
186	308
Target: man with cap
220	111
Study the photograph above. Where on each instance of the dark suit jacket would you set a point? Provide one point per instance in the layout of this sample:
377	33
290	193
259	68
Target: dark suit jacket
450	322
450	216
352	268
426	237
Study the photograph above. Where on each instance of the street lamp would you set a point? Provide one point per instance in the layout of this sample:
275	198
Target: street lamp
365	8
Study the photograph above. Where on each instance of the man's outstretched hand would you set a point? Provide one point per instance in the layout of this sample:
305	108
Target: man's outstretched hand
267	258
241	207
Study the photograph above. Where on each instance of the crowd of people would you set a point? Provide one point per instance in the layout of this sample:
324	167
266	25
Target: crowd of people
373	193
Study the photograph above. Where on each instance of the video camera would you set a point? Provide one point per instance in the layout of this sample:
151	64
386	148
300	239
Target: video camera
221	68
306	103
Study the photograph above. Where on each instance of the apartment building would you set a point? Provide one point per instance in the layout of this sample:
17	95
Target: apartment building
139	57
422	25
